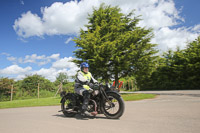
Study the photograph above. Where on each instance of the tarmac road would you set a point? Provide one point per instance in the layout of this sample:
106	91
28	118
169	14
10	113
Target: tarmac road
167	113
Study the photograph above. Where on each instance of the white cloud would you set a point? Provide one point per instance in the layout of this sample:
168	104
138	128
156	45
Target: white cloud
68	40
22	2
47	73
59	18
21	39
196	28
34	58
54	56
67	19
20	77
15	69
29	25
11	58
157	16
6	54
58	65
20	60
52	73
64	63
171	38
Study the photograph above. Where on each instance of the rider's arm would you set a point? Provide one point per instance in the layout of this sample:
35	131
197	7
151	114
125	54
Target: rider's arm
93	80
80	77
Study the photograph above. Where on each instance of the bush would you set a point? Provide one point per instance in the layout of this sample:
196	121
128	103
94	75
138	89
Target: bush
45	93
69	87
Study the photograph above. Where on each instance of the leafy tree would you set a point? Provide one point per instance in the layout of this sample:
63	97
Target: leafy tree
178	69
61	78
5	87
115	46
30	84
192	73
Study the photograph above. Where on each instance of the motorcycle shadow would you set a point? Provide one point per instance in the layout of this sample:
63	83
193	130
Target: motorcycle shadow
80	117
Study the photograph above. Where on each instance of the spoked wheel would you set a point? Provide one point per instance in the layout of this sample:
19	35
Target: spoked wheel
114	108
67	107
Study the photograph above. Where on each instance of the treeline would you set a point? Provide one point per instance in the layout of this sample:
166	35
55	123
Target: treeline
28	87
178	69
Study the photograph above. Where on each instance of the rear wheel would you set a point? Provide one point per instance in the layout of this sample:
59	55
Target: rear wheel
114	108
67	107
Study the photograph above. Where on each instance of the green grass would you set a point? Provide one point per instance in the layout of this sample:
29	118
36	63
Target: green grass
30	102
134	97
56	101
131	90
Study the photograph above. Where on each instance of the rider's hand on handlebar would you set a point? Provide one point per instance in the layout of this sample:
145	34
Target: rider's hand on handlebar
90	90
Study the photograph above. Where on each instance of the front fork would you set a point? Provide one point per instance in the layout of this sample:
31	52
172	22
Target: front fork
105	97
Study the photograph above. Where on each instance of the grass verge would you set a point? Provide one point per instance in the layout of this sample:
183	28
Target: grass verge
30	102
56	101
135	96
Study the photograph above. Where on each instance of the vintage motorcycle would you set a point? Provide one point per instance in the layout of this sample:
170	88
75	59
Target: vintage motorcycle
103	100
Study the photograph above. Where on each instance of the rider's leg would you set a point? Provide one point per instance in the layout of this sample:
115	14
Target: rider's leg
86	97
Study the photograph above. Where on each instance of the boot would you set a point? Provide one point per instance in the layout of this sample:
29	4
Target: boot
86	97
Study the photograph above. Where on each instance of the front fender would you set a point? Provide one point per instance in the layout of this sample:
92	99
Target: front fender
108	92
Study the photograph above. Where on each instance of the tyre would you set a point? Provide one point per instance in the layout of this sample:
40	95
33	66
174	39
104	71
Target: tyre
114	108
67	107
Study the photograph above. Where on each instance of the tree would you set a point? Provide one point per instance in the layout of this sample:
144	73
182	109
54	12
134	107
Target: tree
114	45
5	88
192	55
30	84
178	69
61	78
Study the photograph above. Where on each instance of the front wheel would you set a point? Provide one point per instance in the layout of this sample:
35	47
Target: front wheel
114	108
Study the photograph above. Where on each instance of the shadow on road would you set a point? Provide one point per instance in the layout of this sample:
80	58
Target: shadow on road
79	117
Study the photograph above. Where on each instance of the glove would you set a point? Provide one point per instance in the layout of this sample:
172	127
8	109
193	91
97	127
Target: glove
90	90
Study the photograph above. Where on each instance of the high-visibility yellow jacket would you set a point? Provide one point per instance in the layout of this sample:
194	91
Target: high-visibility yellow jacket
82	78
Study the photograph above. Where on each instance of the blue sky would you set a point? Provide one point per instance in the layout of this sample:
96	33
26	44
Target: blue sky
36	36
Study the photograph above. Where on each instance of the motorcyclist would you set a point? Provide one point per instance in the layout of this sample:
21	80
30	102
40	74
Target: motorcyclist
83	84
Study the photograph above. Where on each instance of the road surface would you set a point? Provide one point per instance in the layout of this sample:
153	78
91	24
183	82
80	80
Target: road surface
169	112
